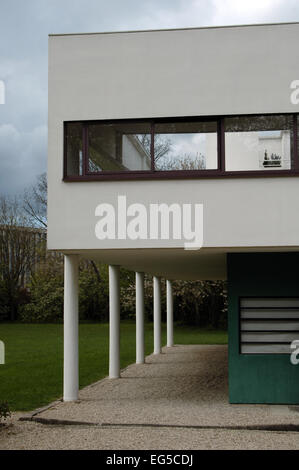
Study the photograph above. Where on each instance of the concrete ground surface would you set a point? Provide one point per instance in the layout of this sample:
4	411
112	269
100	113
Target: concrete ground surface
177	400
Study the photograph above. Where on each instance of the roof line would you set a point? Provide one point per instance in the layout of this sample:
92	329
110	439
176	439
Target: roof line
177	29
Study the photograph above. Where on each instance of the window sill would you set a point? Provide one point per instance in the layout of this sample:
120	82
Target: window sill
181	174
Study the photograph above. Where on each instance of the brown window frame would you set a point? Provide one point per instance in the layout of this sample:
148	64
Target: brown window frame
177	174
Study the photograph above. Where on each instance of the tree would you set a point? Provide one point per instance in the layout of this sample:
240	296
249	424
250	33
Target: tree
46	292
162	145
35	201
18	252
128	294
187	162
200	303
164	160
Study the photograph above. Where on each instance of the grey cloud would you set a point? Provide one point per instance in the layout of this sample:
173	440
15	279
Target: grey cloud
22	157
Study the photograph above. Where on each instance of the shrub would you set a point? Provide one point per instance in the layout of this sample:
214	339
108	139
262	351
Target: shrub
200	303
46	293
4	411
93	292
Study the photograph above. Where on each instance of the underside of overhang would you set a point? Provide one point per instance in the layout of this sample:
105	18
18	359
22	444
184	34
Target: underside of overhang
180	264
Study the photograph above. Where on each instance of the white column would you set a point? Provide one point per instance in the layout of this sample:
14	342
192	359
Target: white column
157	315
169	295
139	318
71	353
114	322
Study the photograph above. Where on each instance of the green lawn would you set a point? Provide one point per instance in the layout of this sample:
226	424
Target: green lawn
32	374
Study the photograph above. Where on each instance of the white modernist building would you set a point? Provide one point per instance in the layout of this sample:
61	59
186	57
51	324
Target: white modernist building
204	118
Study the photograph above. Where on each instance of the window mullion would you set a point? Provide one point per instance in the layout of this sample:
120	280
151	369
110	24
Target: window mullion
85	149
221	145
152	146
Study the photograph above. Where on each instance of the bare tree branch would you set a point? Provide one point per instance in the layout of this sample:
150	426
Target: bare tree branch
35	201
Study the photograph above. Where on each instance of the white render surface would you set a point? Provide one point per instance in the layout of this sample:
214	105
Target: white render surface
245	212
187	72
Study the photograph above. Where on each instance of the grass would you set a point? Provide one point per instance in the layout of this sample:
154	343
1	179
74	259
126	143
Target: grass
32	374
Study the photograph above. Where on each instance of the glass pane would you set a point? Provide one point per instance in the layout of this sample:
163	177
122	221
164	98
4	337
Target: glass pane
258	142
186	146
119	147
74	155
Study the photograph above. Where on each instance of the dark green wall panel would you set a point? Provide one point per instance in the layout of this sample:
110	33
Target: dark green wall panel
260	378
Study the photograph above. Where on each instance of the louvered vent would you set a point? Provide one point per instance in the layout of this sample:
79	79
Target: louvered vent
268	325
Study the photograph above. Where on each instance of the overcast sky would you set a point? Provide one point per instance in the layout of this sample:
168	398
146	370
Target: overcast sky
24	29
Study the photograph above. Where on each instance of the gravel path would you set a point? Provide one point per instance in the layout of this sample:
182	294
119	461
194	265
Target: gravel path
185	386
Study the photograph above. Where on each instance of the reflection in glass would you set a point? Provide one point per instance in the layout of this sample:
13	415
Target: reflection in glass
74	157
258	142
118	147
185	146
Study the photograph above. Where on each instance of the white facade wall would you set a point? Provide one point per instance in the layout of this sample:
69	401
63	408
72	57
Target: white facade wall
196	72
